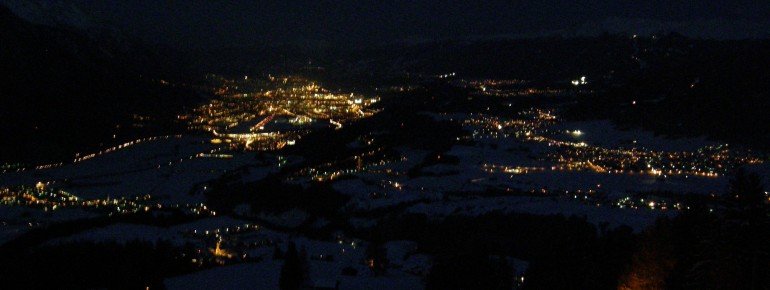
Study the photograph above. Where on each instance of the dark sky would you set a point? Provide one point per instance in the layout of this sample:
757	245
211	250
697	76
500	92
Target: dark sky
214	23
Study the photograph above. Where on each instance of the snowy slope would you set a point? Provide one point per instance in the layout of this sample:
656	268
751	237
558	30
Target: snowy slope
55	13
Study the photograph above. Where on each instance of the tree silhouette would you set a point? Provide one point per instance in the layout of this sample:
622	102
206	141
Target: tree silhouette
277	253
472	270
377	256
292	270
746	187
653	263
304	264
747	194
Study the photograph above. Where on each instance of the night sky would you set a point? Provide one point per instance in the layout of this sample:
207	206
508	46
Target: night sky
208	23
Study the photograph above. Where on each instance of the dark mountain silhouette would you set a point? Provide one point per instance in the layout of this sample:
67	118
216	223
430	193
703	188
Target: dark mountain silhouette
60	83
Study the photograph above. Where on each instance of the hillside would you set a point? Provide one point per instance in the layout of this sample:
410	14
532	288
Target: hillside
60	83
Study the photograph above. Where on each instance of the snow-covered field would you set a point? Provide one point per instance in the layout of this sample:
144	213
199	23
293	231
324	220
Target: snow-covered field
613	217
322	273
465	175
604	133
264	275
15	220
172	171
175	171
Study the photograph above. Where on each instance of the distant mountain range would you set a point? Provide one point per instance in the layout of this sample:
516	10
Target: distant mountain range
52	13
708	29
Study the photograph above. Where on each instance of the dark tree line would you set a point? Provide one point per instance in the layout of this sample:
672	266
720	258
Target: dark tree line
469	252
702	249
295	269
89	265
